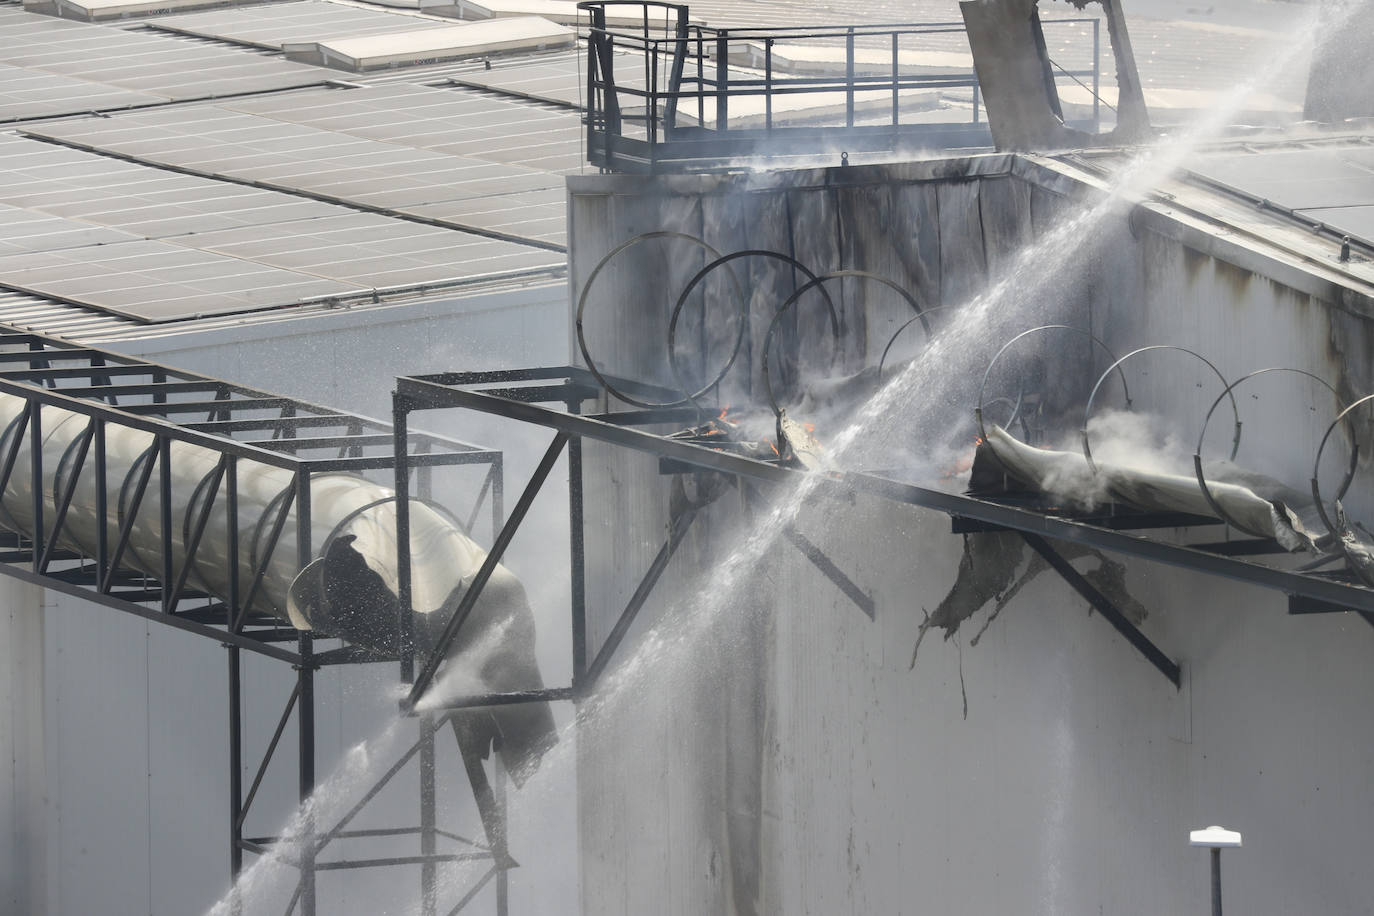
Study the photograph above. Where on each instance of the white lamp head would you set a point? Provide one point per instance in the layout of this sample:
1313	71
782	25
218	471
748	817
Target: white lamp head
1214	837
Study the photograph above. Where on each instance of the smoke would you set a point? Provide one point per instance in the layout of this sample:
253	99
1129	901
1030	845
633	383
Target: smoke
1125	440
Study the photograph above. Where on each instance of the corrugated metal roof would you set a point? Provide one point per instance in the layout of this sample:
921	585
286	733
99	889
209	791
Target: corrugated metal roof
157	245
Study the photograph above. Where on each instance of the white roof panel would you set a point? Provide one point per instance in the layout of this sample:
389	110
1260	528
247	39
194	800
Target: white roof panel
105	10
429	45
51	67
462	160
276	24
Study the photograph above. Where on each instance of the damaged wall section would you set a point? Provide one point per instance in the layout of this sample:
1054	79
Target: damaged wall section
795	761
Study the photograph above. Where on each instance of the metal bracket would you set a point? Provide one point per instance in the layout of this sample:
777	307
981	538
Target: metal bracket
1297	604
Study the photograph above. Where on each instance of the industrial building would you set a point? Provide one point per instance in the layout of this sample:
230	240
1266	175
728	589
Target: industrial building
694	336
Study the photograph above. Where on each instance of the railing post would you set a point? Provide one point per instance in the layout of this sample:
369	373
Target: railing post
849	78
768	84
896	79
722	80
653	103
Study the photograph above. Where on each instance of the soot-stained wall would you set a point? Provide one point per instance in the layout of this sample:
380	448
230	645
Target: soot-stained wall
781	752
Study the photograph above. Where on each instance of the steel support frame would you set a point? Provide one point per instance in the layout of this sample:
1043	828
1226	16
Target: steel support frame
112	389
1307	592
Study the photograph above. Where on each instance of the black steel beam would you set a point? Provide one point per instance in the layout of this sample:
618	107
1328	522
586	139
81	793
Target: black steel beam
1117	520
268	754
361	440
1113	615
147	613
101	392
479	581
676	534
341	420
210	407
862	600
507	699
1300	605
432	859
387	461
843	484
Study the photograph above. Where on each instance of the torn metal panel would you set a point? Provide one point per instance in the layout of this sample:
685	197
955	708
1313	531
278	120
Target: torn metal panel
1016	77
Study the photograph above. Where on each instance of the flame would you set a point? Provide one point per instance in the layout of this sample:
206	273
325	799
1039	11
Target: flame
723	411
773	447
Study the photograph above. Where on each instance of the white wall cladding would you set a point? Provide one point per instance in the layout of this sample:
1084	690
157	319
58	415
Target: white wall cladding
791	762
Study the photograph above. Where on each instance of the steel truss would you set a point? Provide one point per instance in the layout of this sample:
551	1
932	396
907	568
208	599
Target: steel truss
521	395
238	423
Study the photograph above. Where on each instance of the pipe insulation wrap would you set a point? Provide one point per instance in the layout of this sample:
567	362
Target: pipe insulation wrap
348	591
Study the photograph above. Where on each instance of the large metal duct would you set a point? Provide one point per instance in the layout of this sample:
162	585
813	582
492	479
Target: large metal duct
349	591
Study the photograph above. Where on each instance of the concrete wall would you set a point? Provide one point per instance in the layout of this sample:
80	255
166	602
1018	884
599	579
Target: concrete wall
783	755
23	778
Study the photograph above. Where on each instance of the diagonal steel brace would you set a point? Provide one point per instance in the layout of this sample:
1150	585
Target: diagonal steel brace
1167	666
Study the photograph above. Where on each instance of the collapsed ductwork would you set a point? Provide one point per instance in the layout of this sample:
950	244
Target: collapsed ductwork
1251	501
348	592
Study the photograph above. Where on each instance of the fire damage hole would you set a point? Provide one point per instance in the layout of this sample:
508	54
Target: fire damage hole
995	567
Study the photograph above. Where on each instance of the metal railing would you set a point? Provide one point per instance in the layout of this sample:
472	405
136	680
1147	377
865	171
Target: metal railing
666	91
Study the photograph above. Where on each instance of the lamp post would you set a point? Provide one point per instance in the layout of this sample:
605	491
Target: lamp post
1216	839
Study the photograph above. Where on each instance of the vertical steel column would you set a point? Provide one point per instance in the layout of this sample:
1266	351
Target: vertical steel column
36	471
405	626
428	836
578	549
305	712
429	893
102	499
164	492
498	494
231	501
502	876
